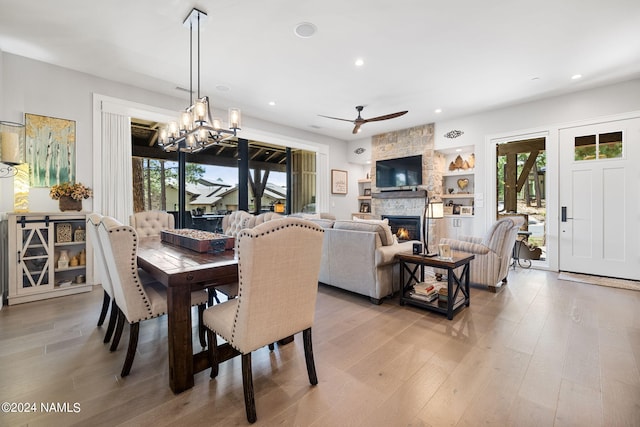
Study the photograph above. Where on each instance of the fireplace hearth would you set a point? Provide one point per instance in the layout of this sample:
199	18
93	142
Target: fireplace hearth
404	227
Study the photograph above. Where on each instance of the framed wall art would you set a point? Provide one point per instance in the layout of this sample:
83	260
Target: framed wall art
338	181
51	150
365	208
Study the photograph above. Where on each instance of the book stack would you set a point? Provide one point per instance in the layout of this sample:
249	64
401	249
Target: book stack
424	291
443	295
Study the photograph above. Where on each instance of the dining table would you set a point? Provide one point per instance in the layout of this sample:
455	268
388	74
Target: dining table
183	271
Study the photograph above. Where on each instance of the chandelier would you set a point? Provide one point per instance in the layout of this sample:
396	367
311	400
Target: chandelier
195	130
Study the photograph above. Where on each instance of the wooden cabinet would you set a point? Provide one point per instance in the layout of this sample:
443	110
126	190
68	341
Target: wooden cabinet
37	242
364	199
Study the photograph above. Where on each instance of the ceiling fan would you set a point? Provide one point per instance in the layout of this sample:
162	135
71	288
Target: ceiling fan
359	121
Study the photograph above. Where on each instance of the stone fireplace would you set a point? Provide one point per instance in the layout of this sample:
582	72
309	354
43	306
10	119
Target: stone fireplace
404	227
404	143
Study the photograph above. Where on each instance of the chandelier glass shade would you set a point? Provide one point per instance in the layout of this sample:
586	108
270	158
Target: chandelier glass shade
195	129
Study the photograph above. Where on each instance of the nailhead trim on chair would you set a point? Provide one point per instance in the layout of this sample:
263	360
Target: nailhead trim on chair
134	271
247	232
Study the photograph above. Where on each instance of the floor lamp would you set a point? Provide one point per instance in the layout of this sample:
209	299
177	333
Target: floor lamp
432	210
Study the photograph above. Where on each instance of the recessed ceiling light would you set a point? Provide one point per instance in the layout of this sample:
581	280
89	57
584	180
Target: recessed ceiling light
576	76
359	62
535	78
305	30
438	110
458	150
272	103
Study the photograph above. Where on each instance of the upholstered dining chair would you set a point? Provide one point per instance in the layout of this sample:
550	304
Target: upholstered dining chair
136	301
93	222
493	252
150	223
277	295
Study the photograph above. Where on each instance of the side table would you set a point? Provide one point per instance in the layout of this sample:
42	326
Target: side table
457	285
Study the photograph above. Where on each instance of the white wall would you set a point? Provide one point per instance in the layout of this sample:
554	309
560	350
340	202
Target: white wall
29	86
531	117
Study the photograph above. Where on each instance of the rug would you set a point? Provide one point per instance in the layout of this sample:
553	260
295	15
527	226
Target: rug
600	281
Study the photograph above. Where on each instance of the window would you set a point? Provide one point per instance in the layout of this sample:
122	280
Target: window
596	147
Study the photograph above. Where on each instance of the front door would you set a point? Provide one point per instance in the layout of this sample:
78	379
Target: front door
599	199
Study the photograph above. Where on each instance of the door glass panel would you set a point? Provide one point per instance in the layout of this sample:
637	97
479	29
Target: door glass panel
601	146
610	145
585	147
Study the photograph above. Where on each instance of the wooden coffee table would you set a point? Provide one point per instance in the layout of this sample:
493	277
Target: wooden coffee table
457	285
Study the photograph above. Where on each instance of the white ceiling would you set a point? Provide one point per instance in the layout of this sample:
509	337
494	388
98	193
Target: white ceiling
462	56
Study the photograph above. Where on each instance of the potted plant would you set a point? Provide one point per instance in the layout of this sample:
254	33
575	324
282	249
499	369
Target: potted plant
70	195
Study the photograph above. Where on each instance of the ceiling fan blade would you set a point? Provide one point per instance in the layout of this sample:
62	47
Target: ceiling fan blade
336	118
386	117
356	129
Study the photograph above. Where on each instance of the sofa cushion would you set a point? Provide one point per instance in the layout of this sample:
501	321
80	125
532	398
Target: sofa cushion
385	224
324	223
386	238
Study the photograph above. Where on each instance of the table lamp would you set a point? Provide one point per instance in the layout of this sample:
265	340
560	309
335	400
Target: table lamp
432	210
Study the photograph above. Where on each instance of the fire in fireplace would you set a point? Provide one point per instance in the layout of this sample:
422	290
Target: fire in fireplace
404	227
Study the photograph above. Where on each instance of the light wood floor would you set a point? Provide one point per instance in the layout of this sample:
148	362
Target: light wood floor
543	352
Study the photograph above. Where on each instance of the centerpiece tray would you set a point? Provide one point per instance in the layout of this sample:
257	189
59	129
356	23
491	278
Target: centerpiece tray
198	240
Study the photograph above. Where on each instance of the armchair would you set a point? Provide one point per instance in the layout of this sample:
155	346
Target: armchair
493	252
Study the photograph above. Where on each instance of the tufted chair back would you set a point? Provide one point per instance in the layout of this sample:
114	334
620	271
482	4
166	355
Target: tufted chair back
150	223
278	288
259	219
233	223
120	245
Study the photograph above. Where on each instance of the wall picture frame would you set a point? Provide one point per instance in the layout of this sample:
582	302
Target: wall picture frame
50	149
339	181
365	208
366	192
466	210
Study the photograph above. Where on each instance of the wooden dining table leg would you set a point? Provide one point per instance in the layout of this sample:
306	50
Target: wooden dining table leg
179	337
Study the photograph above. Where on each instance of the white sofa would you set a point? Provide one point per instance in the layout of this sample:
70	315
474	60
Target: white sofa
359	256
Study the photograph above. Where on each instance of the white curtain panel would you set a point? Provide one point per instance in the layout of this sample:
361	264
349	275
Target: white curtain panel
117	181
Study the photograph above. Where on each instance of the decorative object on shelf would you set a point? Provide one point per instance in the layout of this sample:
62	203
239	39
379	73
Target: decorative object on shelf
472	161
466	210
63	233
338	181
70	195
46	135
463	183
196	129
450	190
366	192
63	259
83	257
365	208
448	209
453	134
12	151
432	210
79	235
74	262
80	278
460	164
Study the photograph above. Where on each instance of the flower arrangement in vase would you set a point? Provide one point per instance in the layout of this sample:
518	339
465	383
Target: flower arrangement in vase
70	195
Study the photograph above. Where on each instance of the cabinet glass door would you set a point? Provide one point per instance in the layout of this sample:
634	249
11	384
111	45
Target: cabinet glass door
33	257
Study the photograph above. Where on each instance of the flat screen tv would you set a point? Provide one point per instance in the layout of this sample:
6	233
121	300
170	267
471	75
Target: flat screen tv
399	172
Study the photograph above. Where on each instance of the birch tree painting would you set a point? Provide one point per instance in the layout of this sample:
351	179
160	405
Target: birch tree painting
51	150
